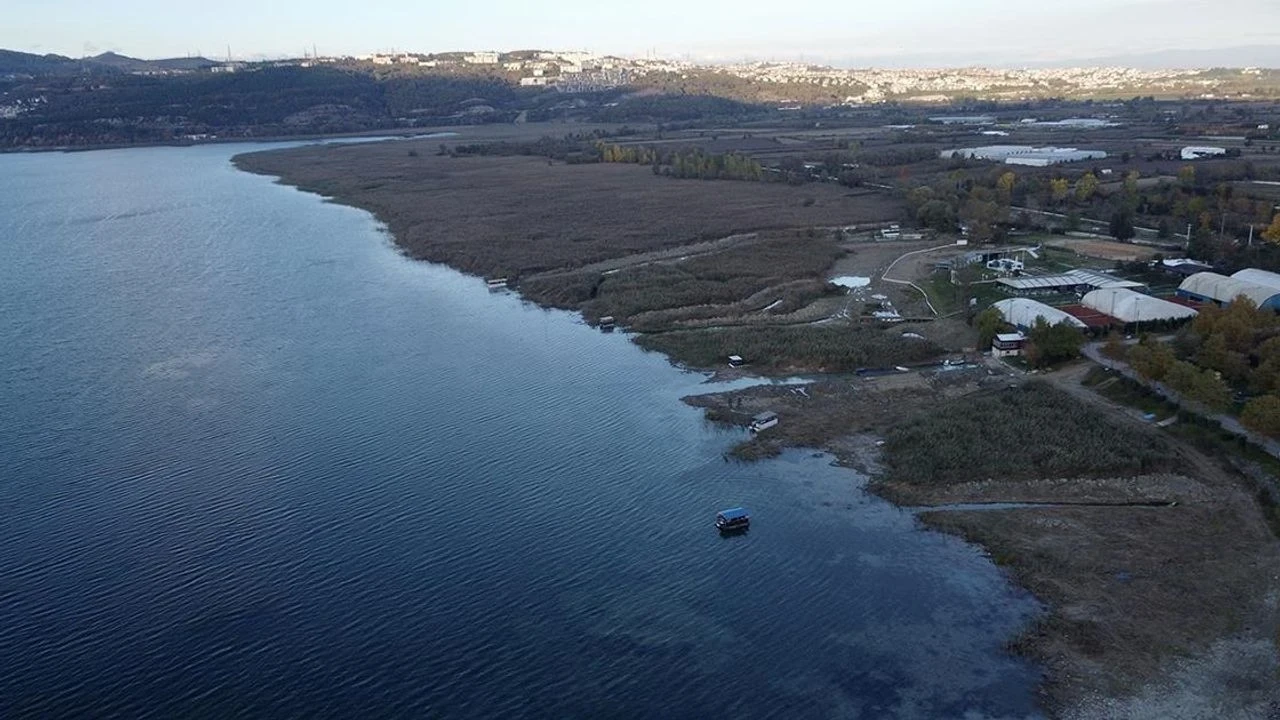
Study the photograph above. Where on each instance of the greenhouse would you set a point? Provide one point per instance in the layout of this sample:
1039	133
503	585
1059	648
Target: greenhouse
1220	289
1024	313
1128	306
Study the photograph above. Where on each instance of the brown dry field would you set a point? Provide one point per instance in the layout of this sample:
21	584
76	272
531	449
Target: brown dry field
1105	249
516	215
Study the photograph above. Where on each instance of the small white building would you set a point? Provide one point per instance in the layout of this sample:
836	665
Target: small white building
1195	152
482	58
1008	344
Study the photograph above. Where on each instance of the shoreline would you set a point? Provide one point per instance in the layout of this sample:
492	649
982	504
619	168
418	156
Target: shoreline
388	134
1068	686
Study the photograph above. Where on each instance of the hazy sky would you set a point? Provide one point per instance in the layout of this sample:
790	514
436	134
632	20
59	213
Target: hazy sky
952	31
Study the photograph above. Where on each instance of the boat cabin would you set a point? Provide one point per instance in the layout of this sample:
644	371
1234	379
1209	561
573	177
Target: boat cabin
607	323
735	361
733	519
763	421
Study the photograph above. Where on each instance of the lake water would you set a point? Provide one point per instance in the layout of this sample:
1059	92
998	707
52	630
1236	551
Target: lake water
255	463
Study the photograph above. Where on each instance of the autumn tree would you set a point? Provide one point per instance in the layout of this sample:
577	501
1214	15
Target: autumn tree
1262	414
1272	233
1005	187
1086	187
1151	359
1058	189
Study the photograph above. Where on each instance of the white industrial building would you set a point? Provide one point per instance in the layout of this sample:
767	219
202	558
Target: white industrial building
1220	289
1197	152
1024	154
1024	313
1128	306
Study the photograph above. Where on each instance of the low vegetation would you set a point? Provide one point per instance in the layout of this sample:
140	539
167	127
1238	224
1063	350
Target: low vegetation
1034	431
711	285
516	216
773	349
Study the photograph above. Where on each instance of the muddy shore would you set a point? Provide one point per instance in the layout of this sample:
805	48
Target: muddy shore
1163	588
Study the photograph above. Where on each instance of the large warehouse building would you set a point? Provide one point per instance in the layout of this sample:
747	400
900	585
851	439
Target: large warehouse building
1078	280
1128	306
1023	313
1220	289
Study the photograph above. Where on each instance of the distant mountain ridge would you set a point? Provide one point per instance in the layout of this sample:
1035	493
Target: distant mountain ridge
13	62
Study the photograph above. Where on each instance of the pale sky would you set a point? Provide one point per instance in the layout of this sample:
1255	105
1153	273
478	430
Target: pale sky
835	31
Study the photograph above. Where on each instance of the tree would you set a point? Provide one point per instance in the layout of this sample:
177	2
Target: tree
937	214
1262	414
1187	176
1052	344
1005	186
1086	186
1151	359
989	323
1210	390
1272	233
1121	225
1058	189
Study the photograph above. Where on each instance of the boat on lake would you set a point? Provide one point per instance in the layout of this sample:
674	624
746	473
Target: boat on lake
763	421
733	519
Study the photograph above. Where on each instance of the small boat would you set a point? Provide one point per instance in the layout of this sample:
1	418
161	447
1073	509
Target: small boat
733	519
735	361
763	421
498	283
607	323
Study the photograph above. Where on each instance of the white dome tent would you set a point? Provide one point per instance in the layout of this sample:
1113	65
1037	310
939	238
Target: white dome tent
1023	313
1212	287
1128	306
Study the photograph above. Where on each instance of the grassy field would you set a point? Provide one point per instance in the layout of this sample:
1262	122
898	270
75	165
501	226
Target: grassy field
515	215
1033	431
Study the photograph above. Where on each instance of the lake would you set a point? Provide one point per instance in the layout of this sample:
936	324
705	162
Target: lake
256	463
